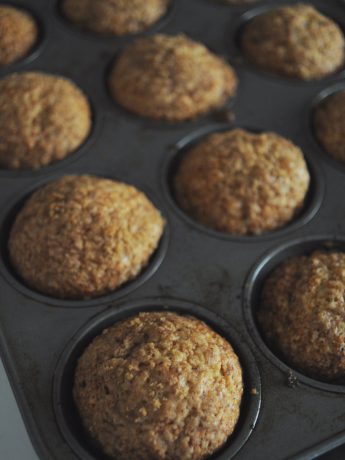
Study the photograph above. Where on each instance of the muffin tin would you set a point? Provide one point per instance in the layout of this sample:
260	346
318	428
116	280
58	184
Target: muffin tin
213	276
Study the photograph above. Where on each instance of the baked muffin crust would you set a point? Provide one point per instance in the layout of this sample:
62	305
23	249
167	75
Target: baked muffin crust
43	118
159	385
114	17
170	77
242	183
18	34
82	236
302	313
295	41
329	125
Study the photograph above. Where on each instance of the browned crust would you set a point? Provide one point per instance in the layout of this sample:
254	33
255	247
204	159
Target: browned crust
170	77
43	118
329	125
159	386
242	183
18	34
115	17
82	236
302	313
295	41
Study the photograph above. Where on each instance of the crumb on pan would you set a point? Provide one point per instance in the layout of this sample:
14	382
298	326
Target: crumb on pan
242	183
82	236
170	77
302	313
295	41
159	385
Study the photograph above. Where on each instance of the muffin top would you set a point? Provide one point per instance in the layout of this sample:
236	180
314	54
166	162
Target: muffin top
302	313
43	118
82	236
242	183
294	41
329	125
159	385
170	77
114	17
18	34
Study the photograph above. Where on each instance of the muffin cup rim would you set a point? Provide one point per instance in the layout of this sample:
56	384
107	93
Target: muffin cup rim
9	213
252	287
39	45
67	359
318	99
314	196
238	24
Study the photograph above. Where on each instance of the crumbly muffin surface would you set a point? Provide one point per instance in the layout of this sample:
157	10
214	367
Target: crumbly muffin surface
329	125
81	236
295	41
302	313
242	183
159	386
170	77
114	17
43	118
18	34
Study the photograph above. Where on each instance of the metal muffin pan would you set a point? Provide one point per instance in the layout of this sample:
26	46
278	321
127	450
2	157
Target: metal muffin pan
196	270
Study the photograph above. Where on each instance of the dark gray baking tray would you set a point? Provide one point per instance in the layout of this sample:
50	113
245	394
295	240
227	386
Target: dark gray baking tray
195	270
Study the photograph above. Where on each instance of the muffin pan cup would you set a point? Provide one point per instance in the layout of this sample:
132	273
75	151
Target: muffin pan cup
70	424
201	272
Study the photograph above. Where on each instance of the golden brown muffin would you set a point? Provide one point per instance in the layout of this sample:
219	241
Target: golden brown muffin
81	236
115	17
43	118
170	77
294	41
329	125
18	34
159	386
242	183
302	313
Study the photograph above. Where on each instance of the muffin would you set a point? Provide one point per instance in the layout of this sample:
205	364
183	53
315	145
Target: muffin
170	77
159	386
18	34
114	17
81	237
294	41
43	118
242	183
302	313
329	125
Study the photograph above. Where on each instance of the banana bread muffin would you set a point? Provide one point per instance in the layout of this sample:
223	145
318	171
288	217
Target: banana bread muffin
170	77
43	118
302	313
159	386
81	236
114	17
329	125
18	34
294	41
242	183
